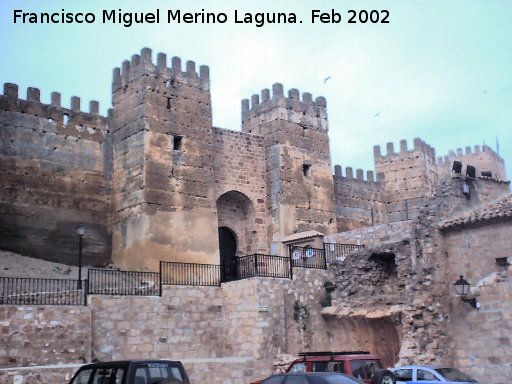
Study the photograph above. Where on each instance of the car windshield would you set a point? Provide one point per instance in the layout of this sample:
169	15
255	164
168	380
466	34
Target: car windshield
365	369
452	374
151	373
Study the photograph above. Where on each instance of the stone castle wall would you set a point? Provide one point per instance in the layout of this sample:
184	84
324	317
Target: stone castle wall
473	252
44	335
55	168
235	330
484	159
154	180
299	178
240	188
359	202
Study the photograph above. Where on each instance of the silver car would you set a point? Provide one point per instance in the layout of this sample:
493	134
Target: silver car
423	374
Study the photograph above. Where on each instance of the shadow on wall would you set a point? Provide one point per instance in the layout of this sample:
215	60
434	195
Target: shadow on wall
378	336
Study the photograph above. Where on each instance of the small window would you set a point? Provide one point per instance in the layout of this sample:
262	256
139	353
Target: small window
502	263
65	119
177	142
306	169
403	375
298	367
82	377
426	376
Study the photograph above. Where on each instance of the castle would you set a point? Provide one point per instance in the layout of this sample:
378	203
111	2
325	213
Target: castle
154	180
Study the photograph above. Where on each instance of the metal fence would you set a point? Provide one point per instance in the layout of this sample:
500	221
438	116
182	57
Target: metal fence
306	257
31	291
334	251
189	274
130	283
263	266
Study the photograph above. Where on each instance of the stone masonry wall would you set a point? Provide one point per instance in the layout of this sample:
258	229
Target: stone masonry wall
484	159
39	335
377	234
235	330
410	177
54	166
164	207
299	181
358	201
472	252
239	165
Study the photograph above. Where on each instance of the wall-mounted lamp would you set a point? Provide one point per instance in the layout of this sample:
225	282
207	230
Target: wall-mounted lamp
462	289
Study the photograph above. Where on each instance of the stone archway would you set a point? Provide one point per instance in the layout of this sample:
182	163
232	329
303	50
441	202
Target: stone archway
236	212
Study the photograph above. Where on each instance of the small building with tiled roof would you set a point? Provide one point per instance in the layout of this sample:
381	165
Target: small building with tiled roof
492	212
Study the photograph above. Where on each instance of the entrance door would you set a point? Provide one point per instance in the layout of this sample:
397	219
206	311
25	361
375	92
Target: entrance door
227	245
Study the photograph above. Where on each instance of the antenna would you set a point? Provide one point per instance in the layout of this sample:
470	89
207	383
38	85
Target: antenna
497	145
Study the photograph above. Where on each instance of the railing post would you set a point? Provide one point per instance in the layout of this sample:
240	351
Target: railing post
256	264
291	266
86	290
160	277
325	260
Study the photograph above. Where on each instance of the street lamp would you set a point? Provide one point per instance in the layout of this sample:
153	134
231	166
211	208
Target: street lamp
80	231
462	289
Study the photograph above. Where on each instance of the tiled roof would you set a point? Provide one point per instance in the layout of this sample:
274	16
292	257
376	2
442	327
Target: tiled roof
499	209
301	235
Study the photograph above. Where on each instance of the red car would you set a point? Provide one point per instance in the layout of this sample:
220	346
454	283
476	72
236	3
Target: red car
361	365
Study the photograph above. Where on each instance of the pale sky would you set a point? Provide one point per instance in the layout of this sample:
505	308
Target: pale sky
440	70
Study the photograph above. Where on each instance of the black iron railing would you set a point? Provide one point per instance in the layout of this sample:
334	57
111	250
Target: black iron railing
264	266
116	282
189	274
334	251
31	291
306	257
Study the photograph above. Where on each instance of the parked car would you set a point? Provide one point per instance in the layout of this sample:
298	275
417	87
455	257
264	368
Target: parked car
311	378
424	374
361	365
132	372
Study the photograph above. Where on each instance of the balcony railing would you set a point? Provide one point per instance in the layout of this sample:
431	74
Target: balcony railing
189	274
306	257
116	282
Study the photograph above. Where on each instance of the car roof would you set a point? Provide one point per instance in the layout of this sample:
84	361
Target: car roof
126	362
419	366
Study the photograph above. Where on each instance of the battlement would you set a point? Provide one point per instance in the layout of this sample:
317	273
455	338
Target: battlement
349	174
143	65
418	146
458	153
87	124
303	110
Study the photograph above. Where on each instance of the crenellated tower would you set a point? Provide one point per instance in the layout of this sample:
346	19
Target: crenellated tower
162	137
484	159
410	176
299	180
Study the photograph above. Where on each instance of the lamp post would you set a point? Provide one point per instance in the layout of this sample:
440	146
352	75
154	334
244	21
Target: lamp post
462	289
80	231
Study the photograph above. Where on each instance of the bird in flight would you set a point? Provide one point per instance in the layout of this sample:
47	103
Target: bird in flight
327	78
377	114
